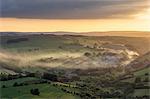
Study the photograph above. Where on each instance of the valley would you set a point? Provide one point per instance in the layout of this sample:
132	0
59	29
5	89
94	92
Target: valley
74	66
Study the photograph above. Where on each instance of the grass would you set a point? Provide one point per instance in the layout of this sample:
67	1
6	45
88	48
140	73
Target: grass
23	92
46	91
141	92
130	80
139	73
142	71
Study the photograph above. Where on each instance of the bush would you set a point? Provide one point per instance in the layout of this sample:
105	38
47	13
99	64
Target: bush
137	80
35	91
31	75
146	79
3	86
48	76
60	47
15	84
146	74
87	54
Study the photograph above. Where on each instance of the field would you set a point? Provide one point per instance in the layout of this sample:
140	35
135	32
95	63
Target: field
142	85
23	92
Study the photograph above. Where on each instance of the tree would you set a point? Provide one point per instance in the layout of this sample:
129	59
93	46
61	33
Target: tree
117	93
3	86
146	74
138	80
146	79
15	84
35	91
87	54
60	47
48	76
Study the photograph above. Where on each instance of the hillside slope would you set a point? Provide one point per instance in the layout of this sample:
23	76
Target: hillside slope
140	62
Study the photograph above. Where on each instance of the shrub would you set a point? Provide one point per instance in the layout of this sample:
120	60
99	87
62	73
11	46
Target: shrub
21	84
15	84
146	74
60	47
87	54
146	79
48	76
137	80
35	91
3	86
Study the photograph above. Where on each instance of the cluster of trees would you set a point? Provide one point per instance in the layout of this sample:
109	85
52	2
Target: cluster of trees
72	92
139	79
17	84
67	91
27	83
87	54
101	92
46	76
140	83
85	94
82	95
34	49
93	46
51	77
142	97
85	91
6	77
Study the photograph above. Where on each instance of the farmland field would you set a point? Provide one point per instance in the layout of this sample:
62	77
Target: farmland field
46	91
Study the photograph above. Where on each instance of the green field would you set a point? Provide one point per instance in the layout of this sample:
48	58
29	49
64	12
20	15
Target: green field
142	75
141	92
46	91
23	92
142	72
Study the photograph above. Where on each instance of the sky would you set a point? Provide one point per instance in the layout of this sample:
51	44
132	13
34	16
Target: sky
74	15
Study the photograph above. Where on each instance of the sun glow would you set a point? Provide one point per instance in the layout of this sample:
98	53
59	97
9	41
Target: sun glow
145	15
37	25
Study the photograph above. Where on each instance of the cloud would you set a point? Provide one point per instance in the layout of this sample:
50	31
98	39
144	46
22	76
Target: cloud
71	9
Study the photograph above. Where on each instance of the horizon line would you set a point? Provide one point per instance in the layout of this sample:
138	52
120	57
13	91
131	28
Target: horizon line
73	31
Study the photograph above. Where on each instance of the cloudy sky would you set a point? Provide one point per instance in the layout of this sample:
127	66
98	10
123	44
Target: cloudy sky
75	15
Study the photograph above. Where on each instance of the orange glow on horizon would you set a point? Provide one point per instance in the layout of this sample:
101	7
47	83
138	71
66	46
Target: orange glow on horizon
37	25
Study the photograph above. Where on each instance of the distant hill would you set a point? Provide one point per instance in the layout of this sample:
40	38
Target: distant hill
133	39
119	33
95	33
